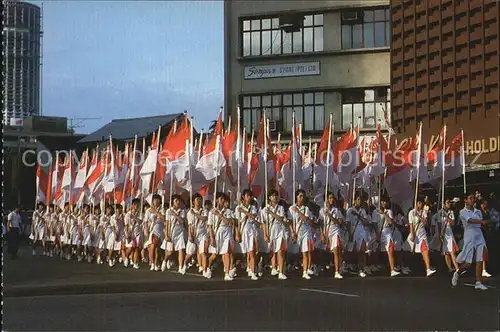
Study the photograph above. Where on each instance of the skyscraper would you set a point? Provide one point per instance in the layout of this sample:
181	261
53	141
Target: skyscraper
21	60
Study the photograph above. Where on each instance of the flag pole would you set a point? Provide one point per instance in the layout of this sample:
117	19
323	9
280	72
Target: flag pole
189	153
142	161
463	160
293	155
239	153
266	196
216	171
443	161
417	181
328	147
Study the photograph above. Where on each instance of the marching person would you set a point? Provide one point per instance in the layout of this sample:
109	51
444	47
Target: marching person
175	235
197	218
87	220
220	223
483	206
417	240
400	223
449	248
155	219
38	225
331	231
75	233
248	222
383	218
117	235
133	234
474	249
275	224
13	231
99	233
302	233
357	219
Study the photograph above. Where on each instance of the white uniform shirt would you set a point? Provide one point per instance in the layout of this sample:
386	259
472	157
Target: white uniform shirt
14	219
298	225
466	215
414	220
216	222
199	226
443	217
243	219
268	219
381	220
132	224
354	221
329	226
155	224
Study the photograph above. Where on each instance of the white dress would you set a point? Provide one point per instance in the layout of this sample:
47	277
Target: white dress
397	237
224	239
248	228
155	227
449	244
133	230
305	239
278	230
87	234
94	228
118	223
421	243
333	231
474	248
357	229
74	230
103	231
40	227
177	230
386	230
61	225
200	232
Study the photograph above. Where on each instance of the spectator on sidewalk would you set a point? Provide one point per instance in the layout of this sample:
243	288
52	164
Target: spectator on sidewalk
13	230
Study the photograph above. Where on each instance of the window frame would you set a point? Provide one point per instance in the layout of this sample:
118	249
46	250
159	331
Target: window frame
289	38
318	102
348	99
363	22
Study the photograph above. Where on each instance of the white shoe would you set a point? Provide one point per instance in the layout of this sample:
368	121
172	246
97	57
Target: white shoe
395	273
200	270
182	270
227	277
310	272
338	276
480	286
125	262
368	270
406	270
110	263
136	266
98	261
157	268
232	272
89	259
34	252
454	279
152	267
208	274
274	272
362	274
254	277
169	265
430	272
486	274
120	260
163	266
80	259
281	276
51	254
305	275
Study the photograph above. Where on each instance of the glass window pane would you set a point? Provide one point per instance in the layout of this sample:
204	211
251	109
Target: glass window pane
246	25
346	116
258	116
368	16
298	115
308	98
276	100
387	14
380	114
381	94
318	19
387	33
246	101
346	37
357	114
287	99
287	43
388	110
276	41
266	101
380	15
246	44
255	24
256	43
308	21
357	37
319	117
308	40
368	35
288	119
256	101
266	23
275	23
318	39
275	115
297	99
388	93
318	98
255	120
297	42
369	95
266	42
246	120
309	118
380	34
369	115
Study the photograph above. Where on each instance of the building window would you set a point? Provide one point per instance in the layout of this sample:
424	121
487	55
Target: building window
265	37
366	28
309	110
365	107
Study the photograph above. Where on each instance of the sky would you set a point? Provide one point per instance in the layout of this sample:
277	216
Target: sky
123	59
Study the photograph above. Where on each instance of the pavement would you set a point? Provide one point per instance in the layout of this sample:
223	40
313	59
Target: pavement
42	293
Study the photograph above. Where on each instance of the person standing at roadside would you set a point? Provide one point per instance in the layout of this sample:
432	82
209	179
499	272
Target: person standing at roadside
13	229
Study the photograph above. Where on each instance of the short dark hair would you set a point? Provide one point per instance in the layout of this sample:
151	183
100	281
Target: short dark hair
272	192
247	192
300	191
197	195
118	206
420	198
136	201
176	196
220	194
156	196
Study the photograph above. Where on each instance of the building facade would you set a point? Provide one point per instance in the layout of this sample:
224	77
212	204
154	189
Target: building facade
314	58
445	70
21	60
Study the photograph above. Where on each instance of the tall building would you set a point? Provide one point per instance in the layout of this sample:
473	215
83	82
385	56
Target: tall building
21	46
445	70
311	57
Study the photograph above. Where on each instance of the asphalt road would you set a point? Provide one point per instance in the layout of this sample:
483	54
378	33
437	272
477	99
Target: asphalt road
354	305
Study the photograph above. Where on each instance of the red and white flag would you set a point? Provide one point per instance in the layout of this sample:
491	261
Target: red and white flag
455	158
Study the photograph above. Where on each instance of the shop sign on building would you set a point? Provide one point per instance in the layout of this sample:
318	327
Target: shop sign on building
282	70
